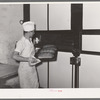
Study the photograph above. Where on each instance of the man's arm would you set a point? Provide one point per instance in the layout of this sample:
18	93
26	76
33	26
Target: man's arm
19	58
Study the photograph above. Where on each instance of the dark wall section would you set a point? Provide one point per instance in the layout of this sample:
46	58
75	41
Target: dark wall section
26	12
62	39
76	24
65	40
91	32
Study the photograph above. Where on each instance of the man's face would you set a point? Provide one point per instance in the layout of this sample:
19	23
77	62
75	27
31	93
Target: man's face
31	33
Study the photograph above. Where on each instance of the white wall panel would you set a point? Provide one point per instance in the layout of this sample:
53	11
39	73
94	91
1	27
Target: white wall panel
60	16
91	16
42	73
38	14
90	71
61	71
91	42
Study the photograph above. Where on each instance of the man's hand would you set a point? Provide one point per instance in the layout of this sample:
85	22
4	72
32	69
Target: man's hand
33	61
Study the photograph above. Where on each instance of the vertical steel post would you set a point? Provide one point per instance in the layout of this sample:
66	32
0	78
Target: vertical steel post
75	61
73	76
76	76
48	74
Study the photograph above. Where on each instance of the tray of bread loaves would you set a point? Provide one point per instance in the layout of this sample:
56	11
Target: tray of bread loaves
47	52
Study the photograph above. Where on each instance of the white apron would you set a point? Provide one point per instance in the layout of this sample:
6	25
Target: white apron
27	74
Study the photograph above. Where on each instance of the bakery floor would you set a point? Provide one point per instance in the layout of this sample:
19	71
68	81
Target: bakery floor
8	76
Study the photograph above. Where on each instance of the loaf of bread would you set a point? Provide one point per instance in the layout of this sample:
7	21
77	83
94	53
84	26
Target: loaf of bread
49	46
45	55
47	50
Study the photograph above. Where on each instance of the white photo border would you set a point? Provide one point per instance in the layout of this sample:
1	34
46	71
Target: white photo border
48	93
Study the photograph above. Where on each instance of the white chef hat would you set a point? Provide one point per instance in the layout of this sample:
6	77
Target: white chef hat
28	26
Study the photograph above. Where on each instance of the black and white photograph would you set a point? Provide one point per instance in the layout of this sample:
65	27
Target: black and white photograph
47	45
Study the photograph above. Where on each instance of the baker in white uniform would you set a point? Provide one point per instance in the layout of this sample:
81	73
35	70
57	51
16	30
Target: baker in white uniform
23	53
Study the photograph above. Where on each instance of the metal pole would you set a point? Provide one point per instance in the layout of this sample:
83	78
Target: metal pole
75	71
73	76
48	74
76	76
